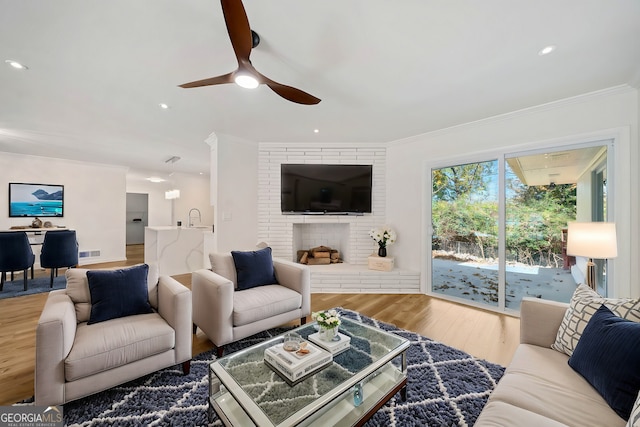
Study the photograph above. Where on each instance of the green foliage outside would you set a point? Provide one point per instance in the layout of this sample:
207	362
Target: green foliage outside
465	209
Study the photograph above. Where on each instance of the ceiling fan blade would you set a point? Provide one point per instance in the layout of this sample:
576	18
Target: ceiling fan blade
238	28
242	40
226	78
290	93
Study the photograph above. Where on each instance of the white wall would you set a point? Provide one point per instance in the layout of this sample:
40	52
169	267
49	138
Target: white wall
606	114
234	184
159	207
94	200
194	193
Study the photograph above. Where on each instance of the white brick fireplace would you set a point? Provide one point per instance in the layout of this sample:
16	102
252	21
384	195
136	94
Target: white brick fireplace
288	233
348	233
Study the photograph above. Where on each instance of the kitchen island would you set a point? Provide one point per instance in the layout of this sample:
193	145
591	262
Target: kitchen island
176	250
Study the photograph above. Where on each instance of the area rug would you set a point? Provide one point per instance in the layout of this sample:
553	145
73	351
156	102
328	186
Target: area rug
446	387
15	288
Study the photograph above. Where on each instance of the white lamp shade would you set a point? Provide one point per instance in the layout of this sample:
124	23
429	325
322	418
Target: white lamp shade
592	240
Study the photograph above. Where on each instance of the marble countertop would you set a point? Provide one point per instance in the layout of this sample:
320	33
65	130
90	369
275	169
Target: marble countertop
201	228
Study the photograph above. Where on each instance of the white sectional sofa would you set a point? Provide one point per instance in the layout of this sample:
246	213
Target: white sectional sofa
539	388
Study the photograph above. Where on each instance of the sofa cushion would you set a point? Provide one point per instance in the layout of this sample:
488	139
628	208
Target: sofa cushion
540	380
584	303
117	342
608	356
222	264
254	268
263	302
78	290
500	414
118	293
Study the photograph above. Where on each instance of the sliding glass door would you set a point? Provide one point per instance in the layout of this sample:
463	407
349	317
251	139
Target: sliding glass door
464	245
500	226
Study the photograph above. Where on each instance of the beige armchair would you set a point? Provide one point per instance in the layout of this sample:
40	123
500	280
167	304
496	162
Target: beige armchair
227	315
75	359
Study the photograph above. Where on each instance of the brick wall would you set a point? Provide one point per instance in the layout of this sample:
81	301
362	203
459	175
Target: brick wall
314	230
347	233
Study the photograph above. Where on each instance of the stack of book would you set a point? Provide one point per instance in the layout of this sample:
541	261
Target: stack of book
296	365
333	347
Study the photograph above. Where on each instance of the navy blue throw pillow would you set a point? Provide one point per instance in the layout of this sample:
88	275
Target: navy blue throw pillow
254	268
608	356
118	293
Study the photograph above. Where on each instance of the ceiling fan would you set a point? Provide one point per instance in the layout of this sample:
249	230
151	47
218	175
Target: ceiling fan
243	39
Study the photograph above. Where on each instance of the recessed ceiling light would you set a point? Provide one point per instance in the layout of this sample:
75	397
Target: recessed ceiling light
164	106
546	50
316	131
155	179
16	64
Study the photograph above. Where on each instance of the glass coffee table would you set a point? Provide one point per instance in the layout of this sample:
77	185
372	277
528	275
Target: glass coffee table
245	391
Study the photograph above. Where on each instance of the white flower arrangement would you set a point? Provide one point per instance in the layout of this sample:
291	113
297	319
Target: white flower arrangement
384	236
327	319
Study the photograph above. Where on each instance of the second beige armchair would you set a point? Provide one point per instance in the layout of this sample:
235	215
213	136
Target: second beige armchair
226	314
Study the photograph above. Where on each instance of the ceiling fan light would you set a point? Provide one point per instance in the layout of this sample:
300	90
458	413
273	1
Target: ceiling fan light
246	81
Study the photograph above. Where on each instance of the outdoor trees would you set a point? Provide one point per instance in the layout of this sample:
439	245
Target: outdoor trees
465	208
465	213
536	216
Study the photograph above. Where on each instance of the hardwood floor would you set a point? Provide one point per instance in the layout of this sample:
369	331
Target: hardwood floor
483	334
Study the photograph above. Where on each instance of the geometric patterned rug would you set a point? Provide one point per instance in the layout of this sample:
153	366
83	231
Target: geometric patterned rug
445	387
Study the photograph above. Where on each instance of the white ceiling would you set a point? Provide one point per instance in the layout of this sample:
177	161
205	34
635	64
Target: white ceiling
384	69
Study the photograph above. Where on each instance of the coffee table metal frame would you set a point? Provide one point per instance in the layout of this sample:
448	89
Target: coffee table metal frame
380	381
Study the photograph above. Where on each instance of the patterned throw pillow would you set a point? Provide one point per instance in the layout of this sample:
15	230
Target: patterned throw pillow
634	419
584	303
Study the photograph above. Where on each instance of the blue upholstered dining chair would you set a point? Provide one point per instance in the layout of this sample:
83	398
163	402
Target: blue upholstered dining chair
59	249
15	255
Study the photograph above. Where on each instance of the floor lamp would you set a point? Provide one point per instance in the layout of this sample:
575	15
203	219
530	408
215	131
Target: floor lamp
592	240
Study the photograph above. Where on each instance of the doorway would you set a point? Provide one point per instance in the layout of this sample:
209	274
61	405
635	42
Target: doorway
137	217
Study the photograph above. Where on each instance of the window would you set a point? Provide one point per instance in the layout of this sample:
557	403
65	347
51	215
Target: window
499	225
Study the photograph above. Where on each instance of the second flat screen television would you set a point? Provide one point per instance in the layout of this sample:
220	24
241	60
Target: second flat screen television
35	200
318	188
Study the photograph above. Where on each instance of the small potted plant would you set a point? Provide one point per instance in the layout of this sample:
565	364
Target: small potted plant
328	320
384	236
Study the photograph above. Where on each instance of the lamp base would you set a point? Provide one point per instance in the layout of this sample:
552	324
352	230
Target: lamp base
591	275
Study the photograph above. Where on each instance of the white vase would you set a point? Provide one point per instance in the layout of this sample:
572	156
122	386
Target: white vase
327	334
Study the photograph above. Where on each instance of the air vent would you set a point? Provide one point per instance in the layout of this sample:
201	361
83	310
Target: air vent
89	254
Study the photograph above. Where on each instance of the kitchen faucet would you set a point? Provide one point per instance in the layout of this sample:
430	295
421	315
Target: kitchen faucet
191	219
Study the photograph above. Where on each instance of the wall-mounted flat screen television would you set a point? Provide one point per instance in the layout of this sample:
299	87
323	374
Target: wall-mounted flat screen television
332	189
35	200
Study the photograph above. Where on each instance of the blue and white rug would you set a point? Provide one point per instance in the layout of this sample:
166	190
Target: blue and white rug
446	387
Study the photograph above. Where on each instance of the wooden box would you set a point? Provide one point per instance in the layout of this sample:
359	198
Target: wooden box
381	264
